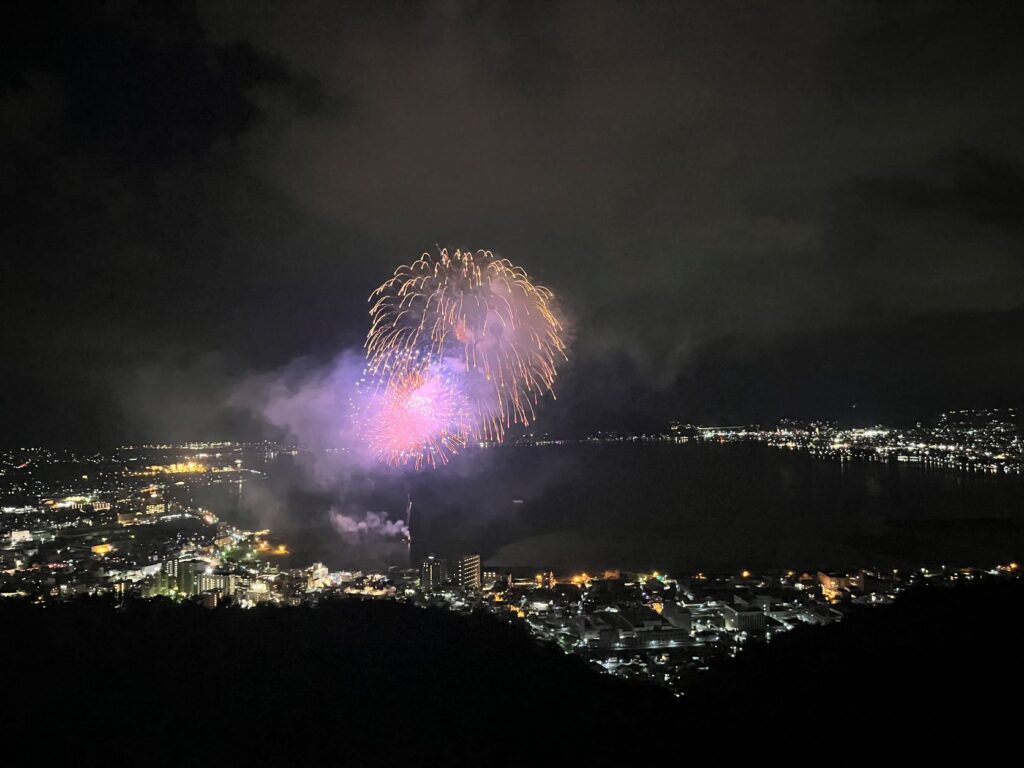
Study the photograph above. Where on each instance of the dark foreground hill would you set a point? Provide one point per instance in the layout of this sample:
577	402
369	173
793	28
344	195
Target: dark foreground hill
159	683
934	679
386	684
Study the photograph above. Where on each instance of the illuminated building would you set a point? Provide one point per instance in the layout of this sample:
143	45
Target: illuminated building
467	571
833	585
433	573
189	572
740	619
496	580
606	629
317	578
224	583
259	592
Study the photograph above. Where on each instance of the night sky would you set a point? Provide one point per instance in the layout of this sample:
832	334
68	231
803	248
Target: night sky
749	210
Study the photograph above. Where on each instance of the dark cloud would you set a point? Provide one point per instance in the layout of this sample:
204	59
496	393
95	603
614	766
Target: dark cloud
706	185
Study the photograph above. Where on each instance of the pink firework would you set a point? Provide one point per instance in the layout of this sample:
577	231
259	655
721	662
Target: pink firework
417	419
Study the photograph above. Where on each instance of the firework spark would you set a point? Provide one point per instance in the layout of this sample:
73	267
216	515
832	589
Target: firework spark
417	418
482	321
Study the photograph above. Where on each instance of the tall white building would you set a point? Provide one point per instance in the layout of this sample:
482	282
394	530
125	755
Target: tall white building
467	571
433	573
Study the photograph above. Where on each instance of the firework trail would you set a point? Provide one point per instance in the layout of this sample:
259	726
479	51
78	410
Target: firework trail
460	345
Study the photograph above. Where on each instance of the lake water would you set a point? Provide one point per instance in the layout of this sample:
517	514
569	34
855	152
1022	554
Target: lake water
675	508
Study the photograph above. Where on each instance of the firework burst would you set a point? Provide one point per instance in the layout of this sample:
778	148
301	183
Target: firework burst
481	321
417	416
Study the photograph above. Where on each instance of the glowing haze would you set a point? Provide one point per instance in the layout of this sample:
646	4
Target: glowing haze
460	345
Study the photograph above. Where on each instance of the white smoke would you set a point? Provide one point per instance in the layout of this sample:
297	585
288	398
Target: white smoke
373	525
